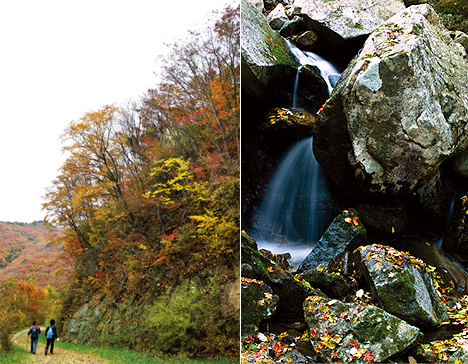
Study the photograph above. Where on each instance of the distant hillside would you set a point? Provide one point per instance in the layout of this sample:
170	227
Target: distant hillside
27	253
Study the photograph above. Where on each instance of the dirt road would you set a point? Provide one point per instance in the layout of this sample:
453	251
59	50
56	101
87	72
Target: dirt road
60	356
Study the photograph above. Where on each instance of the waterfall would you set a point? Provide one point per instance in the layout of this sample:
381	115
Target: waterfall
297	207
328	71
296	86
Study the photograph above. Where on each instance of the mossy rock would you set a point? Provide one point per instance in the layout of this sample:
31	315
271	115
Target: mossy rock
257	304
403	286
336	328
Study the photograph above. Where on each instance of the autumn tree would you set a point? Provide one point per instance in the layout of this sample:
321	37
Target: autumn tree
149	191
195	107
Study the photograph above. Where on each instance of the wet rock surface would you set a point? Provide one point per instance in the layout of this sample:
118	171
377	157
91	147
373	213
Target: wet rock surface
341	20
354	333
345	232
257	304
403	286
398	111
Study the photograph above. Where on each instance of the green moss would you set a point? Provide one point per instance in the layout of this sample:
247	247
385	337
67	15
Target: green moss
350	24
267	42
373	325
251	316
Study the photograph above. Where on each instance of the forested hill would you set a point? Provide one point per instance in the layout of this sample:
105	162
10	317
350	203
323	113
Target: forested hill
27	253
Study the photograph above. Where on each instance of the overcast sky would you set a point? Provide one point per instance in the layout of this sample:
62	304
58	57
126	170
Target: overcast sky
60	59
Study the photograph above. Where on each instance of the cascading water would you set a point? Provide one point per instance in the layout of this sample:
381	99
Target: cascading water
297	207
296	86
328	71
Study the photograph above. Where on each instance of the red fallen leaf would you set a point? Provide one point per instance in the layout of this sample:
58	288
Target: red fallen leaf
354	343
344	314
277	348
368	356
273	44
314	332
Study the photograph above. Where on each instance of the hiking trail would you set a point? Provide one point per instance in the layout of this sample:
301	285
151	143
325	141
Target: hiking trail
60	356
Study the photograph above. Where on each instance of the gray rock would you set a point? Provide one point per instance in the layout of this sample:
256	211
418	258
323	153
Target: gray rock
290	27
459	357
307	40
399	110
462	39
265	56
403	286
277	17
291	290
270	4
334	286
340	329
346	231
258	303
258	4
340	20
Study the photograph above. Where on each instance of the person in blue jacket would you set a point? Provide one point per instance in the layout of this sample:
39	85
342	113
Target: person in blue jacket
51	335
34	331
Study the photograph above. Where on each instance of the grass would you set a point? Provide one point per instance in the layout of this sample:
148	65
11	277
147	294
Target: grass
124	356
17	355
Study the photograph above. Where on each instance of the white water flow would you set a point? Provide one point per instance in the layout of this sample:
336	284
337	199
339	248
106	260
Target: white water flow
297	207
327	70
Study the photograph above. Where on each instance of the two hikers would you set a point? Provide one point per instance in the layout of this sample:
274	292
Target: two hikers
51	335
34	331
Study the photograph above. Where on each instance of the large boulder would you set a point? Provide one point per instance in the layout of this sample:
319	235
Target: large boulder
333	285
277	18
346	232
339	20
353	333
399	110
291	290
403	286
258	303
269	68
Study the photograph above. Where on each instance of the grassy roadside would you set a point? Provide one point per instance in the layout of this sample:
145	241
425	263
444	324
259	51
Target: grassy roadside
20	354
17	355
124	356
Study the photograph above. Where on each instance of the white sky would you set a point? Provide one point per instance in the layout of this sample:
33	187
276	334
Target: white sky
60	59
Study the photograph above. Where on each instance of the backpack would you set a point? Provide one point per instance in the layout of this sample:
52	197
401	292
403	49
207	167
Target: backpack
50	332
34	332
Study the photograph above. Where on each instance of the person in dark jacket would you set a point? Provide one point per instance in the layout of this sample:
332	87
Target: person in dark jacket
51	336
34	331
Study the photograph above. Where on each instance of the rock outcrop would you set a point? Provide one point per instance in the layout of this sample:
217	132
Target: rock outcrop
267	62
291	290
344	19
399	110
351	333
403	286
258	303
345	232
